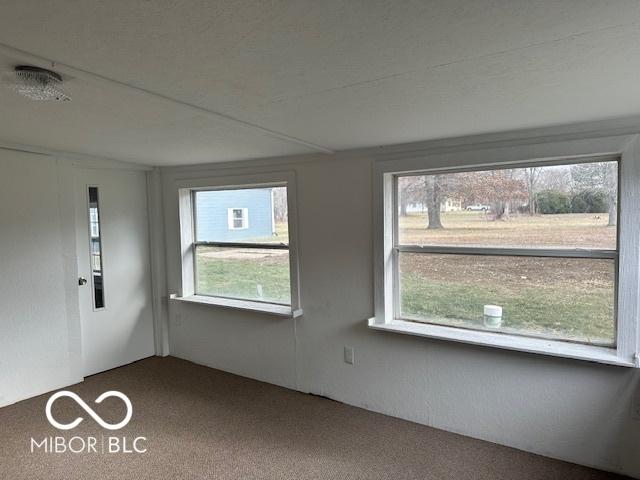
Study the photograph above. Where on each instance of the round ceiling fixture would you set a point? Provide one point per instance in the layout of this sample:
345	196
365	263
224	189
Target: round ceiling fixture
38	84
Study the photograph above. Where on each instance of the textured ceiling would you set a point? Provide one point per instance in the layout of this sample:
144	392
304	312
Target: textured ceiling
333	74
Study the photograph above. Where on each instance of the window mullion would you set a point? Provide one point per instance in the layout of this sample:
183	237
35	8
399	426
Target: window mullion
260	246
507	251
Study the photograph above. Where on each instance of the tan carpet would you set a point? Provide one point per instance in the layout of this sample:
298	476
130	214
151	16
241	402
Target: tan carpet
203	423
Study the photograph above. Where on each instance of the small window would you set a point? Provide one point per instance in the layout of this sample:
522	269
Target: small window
524	251
238	218
95	249
240	259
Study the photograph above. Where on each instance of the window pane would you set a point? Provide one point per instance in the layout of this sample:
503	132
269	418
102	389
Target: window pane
244	273
95	248
566	206
563	298
246	215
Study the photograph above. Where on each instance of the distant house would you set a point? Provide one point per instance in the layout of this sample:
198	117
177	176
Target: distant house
235	215
415	208
451	205
447	205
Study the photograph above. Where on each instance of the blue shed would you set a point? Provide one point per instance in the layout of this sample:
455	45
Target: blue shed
234	215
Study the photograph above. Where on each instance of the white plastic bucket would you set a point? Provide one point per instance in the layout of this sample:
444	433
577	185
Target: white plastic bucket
492	316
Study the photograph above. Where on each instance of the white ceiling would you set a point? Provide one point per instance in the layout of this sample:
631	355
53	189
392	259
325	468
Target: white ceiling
333	74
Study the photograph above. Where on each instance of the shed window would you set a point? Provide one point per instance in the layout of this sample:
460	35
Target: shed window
238	218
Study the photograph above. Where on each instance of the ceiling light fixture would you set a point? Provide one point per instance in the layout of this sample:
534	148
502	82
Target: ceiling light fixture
38	84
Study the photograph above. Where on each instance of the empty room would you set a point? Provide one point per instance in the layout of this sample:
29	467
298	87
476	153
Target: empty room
295	240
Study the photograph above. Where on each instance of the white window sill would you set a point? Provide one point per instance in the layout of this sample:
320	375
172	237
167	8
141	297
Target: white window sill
247	305
553	348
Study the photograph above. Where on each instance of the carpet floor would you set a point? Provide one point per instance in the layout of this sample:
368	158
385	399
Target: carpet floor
202	423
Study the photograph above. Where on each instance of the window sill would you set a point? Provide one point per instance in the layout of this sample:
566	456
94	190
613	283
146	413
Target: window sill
553	348
247	305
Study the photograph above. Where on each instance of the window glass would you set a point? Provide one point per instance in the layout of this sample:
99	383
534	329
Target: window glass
454	264
95	249
242	244
563	206
563	298
244	215
243	273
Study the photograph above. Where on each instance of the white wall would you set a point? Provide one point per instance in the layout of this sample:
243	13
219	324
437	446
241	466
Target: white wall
566	409
572	410
39	326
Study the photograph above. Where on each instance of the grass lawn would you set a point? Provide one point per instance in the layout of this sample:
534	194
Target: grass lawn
585	230
568	298
254	274
261	275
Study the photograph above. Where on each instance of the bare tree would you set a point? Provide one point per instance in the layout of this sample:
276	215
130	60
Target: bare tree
434	197
498	188
411	191
555	178
430	191
532	176
280	204
612	194
598	176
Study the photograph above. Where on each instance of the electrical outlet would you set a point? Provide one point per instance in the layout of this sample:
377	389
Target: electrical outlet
349	355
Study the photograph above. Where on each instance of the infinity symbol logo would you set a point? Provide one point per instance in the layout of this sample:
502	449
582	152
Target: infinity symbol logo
89	410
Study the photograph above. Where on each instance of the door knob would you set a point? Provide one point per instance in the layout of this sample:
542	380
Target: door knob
82	281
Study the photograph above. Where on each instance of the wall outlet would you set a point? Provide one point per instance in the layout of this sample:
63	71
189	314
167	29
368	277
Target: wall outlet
349	355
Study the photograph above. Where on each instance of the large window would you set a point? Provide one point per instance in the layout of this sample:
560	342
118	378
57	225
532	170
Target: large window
477	244
239	244
529	251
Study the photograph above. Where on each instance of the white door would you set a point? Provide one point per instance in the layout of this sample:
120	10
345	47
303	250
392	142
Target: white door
113	268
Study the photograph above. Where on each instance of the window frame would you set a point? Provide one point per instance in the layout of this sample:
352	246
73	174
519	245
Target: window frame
535	252
187	214
100	238
514	155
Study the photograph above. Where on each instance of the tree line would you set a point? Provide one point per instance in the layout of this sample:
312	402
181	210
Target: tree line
580	188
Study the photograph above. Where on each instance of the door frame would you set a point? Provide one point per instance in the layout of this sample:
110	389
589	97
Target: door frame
67	202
